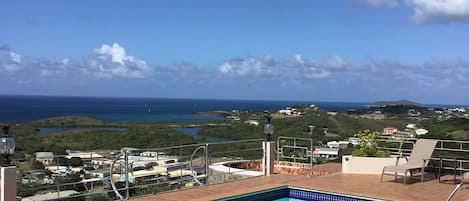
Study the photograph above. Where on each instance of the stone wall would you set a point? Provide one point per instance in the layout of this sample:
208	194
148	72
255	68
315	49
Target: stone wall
250	165
282	168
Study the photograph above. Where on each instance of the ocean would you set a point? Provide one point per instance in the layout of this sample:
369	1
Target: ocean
15	109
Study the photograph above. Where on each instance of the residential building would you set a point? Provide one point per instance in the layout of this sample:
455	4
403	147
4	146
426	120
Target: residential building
252	122
337	144
82	155
45	158
390	130
354	141
403	134
285	112
326	153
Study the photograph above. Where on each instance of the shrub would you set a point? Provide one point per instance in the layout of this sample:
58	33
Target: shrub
358	152
383	154
369	145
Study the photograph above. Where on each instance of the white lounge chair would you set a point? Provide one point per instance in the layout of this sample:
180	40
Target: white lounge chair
418	160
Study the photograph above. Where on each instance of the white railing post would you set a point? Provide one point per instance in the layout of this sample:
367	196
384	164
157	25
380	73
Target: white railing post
8	183
126	158
268	159
207	165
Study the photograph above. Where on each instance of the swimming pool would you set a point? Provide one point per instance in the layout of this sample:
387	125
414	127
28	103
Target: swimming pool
287	193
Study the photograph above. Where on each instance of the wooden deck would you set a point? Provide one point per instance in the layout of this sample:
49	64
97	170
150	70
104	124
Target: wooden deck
354	184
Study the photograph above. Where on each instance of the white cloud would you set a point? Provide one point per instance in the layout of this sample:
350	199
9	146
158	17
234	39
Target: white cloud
13	62
379	3
289	68
315	73
112	61
299	59
53	68
15	57
246	66
115	52
297	72
380	72
440	11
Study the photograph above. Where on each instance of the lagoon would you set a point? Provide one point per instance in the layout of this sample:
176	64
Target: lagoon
193	132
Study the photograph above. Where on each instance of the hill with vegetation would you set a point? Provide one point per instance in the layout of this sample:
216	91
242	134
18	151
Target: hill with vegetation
139	135
398	102
72	121
341	125
325	127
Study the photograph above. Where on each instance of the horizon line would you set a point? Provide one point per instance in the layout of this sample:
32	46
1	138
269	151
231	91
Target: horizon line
234	99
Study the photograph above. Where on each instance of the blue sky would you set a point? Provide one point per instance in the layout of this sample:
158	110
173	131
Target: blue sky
354	50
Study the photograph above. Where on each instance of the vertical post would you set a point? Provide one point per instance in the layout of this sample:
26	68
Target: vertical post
58	178
269	156
126	158
312	147
207	161
312	157
264	158
278	150
294	145
8	183
180	167
91	158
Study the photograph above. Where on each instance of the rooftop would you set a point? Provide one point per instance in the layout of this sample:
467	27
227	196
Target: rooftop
354	184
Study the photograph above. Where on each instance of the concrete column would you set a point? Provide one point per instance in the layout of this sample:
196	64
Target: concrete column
269	157
8	183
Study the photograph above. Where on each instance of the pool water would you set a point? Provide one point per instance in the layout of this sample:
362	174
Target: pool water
286	193
288	199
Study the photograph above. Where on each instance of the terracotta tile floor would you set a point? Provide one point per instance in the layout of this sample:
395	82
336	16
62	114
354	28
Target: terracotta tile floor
355	184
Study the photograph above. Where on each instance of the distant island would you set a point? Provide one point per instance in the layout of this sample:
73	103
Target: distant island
394	103
214	113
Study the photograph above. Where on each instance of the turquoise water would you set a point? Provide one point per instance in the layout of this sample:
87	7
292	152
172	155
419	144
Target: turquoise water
288	199
285	193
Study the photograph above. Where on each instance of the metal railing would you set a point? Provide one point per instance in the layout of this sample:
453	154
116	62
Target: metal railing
452	154
295	149
134	172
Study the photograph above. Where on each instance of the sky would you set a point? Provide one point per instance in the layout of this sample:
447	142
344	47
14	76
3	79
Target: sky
344	50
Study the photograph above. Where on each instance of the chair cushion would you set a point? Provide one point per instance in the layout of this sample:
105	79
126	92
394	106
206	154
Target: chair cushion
401	168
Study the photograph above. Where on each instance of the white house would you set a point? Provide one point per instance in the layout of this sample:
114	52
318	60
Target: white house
411	126
335	144
421	131
285	112
82	155
252	122
326	152
45	158
354	140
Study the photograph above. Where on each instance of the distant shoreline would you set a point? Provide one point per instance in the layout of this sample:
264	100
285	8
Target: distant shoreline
18	109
